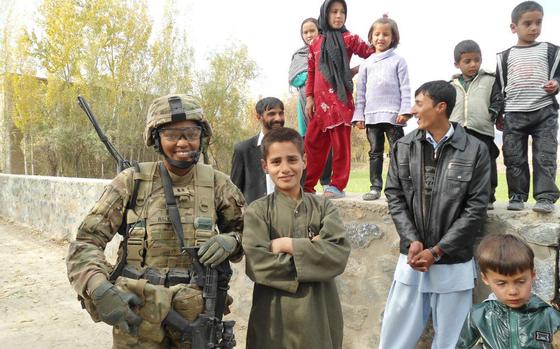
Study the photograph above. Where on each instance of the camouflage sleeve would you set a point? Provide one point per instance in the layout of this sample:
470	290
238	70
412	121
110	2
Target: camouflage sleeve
86	256
229	204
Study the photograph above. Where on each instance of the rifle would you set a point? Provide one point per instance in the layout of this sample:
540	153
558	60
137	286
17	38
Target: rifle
208	330
122	163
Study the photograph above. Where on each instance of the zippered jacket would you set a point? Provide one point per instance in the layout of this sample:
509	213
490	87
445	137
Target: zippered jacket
460	194
497	326
553	65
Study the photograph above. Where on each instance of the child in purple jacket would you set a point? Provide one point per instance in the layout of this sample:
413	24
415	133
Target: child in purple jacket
383	98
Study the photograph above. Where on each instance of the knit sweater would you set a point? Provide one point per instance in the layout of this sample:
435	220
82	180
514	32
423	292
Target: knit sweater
383	89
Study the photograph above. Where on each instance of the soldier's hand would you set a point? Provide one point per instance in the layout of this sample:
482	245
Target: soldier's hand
114	307
217	249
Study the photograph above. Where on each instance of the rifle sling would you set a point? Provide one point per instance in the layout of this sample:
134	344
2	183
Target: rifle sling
172	209
123	229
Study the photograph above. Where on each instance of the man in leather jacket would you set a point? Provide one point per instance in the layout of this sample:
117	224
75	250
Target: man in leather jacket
437	189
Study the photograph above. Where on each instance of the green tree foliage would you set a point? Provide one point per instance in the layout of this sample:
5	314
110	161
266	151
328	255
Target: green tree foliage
105	50
222	89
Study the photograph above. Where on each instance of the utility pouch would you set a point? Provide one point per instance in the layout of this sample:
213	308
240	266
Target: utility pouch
132	272
154	277
136	243
177	276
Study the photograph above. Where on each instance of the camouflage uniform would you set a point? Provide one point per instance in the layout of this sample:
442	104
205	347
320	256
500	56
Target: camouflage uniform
152	240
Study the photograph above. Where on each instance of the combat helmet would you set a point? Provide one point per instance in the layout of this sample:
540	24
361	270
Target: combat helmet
173	108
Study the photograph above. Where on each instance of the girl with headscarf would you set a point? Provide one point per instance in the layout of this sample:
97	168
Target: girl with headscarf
329	104
297	77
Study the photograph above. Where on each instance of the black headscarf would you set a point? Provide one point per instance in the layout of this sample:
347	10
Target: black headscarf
334	63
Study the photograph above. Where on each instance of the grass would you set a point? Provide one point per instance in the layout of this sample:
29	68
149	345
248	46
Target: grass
359	183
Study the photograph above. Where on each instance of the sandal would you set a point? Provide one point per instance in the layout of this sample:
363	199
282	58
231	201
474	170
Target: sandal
333	193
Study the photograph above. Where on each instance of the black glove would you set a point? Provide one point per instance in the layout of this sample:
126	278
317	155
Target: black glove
113	307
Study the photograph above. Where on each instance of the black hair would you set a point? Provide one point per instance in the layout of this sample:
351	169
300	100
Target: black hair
504	254
396	38
281	134
307	20
439	91
524	7
268	103
465	46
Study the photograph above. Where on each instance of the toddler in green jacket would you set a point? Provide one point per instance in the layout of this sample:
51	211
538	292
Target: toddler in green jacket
512	317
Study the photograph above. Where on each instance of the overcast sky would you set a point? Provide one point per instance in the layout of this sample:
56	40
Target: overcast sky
270	29
429	31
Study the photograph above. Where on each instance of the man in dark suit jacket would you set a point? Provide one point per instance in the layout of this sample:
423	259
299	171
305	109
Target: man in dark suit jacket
246	169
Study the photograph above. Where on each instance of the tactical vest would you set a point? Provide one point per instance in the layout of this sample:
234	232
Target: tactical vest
152	241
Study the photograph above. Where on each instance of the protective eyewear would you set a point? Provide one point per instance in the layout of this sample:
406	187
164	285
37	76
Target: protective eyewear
190	134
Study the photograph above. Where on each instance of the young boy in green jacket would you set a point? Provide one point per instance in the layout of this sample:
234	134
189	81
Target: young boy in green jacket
295	246
512	317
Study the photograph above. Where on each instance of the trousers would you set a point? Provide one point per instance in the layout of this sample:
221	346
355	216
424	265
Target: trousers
494	153
317	147
376	138
407	312
542	126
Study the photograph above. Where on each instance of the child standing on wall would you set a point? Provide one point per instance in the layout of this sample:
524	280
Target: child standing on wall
329	103
295	246
512	317
478	104
528	75
297	77
382	98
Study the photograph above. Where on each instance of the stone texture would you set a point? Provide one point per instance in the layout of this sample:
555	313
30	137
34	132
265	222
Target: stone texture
57	206
544	234
361	235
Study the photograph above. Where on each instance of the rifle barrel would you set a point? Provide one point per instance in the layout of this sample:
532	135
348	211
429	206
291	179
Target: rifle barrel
121	162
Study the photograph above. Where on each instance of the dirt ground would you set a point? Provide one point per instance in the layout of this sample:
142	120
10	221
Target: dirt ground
38	307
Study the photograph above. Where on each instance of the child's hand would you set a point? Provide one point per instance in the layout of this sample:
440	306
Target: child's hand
316	238
403	119
360	124
282	245
551	87
309	107
355	70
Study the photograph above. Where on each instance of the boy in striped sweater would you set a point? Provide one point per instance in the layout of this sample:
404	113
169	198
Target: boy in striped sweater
528	75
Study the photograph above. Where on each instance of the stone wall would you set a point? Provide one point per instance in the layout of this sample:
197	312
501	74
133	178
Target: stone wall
57	206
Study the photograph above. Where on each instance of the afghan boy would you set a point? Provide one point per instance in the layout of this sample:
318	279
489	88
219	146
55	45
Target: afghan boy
528	75
295	246
512	316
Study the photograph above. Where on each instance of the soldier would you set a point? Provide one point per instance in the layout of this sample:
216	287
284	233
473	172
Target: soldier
155	267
